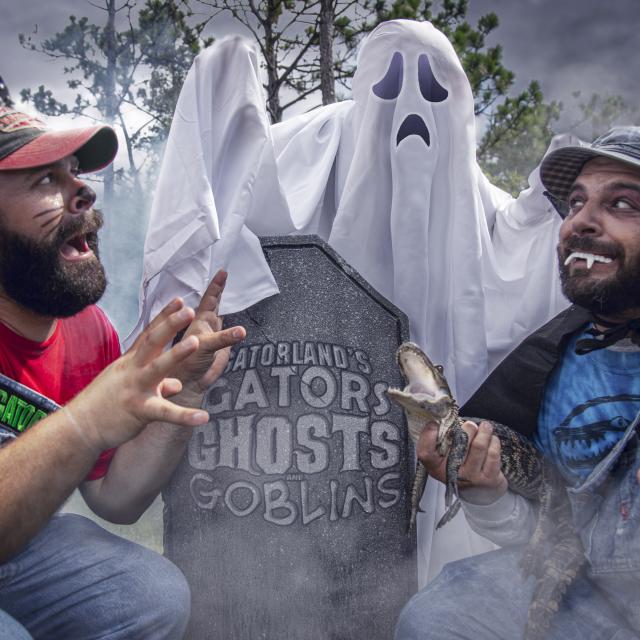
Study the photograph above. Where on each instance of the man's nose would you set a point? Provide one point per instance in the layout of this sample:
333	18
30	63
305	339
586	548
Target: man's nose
83	199
588	220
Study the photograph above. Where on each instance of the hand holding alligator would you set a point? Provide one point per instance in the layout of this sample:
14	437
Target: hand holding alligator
426	451
481	470
480	479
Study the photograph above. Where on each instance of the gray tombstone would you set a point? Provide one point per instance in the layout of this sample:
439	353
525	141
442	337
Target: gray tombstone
289	514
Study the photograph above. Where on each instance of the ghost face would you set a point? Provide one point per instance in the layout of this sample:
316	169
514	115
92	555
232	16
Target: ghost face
411	68
390	86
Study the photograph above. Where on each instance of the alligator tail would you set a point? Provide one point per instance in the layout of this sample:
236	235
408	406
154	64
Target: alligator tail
559	571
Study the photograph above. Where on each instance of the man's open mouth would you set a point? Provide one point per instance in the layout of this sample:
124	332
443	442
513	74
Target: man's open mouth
77	247
589	258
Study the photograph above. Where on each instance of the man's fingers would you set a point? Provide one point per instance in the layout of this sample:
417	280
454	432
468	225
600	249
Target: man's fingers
162	410
479	438
211	296
470	428
175	305
221	339
426	445
171	307
427	452
492	465
169	387
157	369
220	360
157	335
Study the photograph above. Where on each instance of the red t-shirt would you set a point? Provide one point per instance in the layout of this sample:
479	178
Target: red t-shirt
64	364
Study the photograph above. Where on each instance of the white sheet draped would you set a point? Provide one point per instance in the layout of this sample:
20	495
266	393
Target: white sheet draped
473	268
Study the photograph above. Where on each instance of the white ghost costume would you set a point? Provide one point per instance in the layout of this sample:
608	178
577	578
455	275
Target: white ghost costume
390	180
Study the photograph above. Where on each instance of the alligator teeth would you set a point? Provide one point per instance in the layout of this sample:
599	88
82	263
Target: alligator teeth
589	257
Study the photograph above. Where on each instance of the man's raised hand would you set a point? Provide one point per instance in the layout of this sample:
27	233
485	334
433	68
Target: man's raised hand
205	364
134	390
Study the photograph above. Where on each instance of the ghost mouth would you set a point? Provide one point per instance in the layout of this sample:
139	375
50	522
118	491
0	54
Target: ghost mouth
413	125
78	247
589	258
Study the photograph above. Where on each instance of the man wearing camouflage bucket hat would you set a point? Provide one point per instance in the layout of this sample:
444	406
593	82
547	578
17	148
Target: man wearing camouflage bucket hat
75	413
573	386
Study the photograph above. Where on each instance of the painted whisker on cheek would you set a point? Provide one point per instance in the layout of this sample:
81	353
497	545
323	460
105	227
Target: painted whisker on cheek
52	230
46	211
52	220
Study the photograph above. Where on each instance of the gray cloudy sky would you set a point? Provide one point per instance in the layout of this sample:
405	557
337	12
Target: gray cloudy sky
567	45
570	45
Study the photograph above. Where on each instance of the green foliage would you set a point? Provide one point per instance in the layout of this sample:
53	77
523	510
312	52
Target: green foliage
140	66
168	45
597	114
5	96
285	32
77	44
517	134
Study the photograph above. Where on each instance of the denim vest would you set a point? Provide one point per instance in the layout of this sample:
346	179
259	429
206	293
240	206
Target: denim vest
606	514
606	507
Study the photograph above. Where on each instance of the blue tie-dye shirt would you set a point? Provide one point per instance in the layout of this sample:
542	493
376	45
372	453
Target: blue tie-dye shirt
588	403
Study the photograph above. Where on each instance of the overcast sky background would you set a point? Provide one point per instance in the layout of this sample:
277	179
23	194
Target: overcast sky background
567	45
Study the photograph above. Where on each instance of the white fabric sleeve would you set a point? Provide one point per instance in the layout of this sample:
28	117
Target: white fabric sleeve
508	521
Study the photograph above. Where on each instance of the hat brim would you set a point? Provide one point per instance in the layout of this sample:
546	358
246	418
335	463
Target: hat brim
561	167
95	148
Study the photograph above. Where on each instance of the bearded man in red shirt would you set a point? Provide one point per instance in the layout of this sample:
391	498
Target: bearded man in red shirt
117	436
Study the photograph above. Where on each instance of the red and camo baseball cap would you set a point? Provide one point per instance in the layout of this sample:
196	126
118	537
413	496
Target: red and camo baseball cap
26	142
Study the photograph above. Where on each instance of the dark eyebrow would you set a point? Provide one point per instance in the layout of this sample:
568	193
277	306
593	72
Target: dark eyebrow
630	186
576	186
616	186
30	173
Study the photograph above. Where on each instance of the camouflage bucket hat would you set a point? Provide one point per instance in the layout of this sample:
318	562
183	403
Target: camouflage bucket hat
561	167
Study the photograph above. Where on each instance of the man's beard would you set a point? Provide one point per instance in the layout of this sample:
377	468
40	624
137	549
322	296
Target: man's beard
605	296
37	277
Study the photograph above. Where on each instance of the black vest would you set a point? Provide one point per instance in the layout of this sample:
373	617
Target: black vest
512	393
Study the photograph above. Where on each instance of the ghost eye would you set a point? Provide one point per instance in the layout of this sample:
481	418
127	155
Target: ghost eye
389	87
430	88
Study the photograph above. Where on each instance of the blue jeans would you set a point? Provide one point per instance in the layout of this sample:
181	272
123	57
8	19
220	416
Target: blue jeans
486	598
76	581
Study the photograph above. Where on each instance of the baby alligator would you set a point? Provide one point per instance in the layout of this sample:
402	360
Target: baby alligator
554	553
